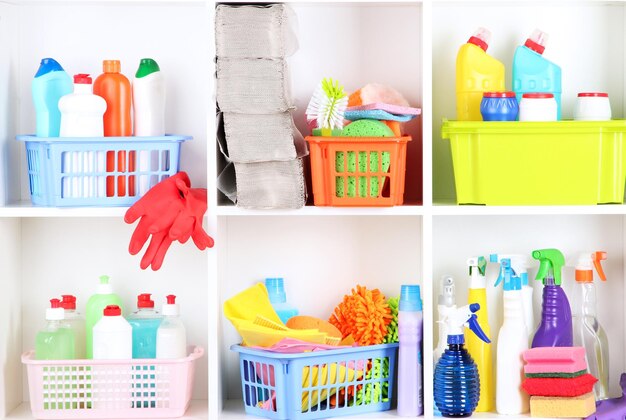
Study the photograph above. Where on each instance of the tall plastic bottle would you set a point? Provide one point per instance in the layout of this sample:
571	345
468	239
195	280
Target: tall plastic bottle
477	348
56	340
94	310
112	335
512	342
533	73
148	111
476	72
145	322
445	307
50	83
555	329
410	398
457	384
278	298
171	335
115	88
76	322
588	332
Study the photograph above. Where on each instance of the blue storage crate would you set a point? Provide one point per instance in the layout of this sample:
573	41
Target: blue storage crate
98	171
299	386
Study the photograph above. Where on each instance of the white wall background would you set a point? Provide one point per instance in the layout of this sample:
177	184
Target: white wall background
457	238
586	40
321	259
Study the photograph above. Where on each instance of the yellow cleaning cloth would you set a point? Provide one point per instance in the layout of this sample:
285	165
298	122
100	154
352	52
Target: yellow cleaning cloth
246	305
319	376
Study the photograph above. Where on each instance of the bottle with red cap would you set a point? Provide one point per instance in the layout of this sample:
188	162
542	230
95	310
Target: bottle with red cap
533	73
56	340
145	322
112	335
82	111
93	310
588	332
76	322
171	335
476	72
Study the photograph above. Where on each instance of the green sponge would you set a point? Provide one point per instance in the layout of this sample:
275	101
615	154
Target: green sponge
556	374
367	128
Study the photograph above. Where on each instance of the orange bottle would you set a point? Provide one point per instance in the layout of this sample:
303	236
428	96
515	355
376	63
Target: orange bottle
114	87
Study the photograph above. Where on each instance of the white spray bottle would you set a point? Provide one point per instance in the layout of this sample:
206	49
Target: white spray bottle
445	307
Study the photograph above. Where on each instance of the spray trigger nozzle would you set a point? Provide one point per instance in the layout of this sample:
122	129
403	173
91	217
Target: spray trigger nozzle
460	317
598	257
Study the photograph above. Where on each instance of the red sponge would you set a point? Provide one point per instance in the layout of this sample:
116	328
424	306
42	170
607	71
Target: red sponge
559	387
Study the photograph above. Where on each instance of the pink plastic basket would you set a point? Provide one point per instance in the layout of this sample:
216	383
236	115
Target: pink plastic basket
110	389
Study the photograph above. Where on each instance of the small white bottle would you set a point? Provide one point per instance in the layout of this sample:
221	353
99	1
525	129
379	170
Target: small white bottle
112	336
76	321
171	335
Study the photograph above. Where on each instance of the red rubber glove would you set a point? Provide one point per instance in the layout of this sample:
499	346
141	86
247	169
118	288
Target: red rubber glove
188	223
159	207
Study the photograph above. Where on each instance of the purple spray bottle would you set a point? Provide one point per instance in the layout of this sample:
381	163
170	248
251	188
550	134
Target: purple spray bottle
555	329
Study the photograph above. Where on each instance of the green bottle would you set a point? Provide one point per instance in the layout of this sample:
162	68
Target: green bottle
56	340
95	308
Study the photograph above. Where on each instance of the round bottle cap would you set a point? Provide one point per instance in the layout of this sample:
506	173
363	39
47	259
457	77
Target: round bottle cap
171	307
593	95
538	95
112	310
499	95
410	299
48	65
111	66
68	302
104	288
481	38
537	41
276	289
146	66
82	79
55	312
144	301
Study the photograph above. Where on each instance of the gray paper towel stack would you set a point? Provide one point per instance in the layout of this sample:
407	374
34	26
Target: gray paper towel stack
256	131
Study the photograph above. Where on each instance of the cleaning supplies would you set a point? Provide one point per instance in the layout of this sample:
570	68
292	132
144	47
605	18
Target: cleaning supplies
327	106
392	328
592	106
114	87
519	265
445	307
538	107
533	73
171	340
112	335
50	83
278	298
377	93
477	348
512	342
499	106
588	332
562	407
563	361
56	340
457	384
94	310
555	329
410	400
76	322
145	322
82	111
476	73
304	322
613	408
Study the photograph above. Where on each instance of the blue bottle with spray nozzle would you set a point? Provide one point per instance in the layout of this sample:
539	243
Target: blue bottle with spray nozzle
457	383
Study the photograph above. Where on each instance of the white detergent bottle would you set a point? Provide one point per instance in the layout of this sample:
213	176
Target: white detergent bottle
512	342
171	335
112	335
76	321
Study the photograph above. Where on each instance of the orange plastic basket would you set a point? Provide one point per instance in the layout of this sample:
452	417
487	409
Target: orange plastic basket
358	171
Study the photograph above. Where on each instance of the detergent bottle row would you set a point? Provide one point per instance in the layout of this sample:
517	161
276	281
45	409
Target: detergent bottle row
477	72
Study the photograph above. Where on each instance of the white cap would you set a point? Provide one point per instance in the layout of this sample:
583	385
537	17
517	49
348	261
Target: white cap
104	288
171	307
55	312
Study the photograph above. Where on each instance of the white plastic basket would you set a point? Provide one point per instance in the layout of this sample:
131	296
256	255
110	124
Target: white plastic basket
110	389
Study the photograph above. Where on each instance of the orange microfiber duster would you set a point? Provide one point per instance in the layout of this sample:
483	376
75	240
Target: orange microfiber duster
364	314
559	387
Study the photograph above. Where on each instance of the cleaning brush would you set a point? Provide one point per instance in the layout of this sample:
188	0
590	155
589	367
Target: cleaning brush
327	106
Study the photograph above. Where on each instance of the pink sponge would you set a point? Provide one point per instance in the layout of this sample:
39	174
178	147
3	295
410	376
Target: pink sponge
376	92
554	360
559	387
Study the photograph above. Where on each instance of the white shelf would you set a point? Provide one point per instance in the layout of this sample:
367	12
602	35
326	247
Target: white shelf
26	209
234	410
452	209
198	410
325	211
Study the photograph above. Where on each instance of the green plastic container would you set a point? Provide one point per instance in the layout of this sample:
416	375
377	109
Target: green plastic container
94	309
538	163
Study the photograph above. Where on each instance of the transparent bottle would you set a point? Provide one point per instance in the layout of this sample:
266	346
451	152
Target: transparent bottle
145	322
76	322
588	332
171	335
56	340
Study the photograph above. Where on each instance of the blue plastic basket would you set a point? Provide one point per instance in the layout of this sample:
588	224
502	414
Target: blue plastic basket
100	171
301	386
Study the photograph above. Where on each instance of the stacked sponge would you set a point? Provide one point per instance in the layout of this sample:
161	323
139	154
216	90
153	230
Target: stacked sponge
556	378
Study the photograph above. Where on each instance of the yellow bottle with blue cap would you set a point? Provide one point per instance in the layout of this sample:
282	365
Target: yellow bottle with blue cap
478	348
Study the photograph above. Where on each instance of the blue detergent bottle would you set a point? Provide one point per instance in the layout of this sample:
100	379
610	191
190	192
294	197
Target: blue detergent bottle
145	322
278	298
50	83
457	383
533	73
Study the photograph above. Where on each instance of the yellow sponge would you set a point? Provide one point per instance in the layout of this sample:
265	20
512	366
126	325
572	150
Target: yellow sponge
581	406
